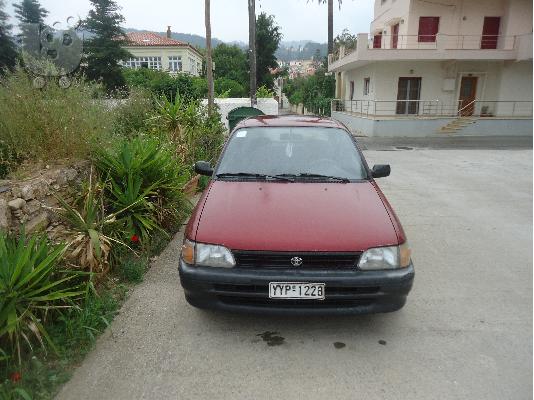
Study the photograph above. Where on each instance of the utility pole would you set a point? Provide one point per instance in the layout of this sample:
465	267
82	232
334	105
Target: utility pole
252	49
209	63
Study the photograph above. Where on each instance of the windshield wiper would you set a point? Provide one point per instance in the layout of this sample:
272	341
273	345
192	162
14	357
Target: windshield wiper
309	175
253	175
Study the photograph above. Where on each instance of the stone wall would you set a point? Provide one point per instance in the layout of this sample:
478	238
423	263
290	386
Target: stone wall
27	202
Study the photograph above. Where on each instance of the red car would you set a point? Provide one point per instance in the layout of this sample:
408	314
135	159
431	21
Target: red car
292	221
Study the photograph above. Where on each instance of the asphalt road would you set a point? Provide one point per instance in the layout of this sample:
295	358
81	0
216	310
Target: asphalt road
465	333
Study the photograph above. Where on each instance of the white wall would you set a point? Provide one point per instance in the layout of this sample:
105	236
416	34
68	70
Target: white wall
267	106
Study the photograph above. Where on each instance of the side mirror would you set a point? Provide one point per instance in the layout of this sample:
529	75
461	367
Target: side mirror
203	168
381	171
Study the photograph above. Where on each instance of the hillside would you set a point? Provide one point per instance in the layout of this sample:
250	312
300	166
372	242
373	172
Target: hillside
288	50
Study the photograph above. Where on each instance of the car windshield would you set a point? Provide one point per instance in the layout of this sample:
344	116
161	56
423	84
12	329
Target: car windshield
298	152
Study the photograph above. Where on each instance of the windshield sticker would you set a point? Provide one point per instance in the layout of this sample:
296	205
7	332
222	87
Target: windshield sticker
241	134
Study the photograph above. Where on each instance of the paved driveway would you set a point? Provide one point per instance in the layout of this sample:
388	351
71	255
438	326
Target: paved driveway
465	333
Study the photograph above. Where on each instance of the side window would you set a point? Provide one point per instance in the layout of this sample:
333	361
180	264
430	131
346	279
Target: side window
351	90
366	84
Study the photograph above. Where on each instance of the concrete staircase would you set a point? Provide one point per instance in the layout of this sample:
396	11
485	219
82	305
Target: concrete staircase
456	125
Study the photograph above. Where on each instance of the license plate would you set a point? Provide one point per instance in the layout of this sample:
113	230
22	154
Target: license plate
296	290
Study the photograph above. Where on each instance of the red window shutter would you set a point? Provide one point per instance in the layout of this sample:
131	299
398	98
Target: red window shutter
428	29
377	41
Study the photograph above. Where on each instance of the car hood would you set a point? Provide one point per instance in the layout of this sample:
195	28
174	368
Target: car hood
280	216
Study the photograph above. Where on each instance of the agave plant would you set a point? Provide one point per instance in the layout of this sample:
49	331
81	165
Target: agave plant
30	286
146	182
89	245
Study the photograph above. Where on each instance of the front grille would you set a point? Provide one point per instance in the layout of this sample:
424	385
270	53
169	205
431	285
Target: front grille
267	259
266	302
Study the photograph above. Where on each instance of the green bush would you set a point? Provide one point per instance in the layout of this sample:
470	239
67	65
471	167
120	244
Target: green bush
50	123
30	286
264	92
229	88
145	184
132	115
161	83
132	269
315	92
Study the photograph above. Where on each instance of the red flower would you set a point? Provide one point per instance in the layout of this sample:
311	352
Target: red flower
135	238
15	377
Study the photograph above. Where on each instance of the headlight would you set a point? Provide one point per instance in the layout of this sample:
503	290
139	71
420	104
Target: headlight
392	257
207	255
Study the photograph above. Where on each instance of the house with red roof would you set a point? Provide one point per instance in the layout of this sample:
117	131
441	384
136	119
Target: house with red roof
150	50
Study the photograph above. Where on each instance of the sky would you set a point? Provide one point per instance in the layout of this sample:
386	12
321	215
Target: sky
299	19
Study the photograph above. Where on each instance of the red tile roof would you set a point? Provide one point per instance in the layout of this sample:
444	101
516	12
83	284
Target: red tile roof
151	39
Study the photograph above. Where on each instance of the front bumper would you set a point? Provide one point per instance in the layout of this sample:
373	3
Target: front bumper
246	290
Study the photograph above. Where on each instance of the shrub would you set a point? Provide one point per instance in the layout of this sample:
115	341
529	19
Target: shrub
132	116
88	230
30	286
146	181
133	268
229	88
264	92
160	83
50	123
195	133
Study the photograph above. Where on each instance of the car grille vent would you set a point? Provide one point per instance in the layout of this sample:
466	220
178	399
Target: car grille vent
263	259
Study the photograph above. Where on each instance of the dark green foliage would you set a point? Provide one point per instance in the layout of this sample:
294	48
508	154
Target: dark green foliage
315	92
30	12
132	269
132	116
145	185
30	285
231	63
8	51
105	49
229	88
161	83
345	39
268	37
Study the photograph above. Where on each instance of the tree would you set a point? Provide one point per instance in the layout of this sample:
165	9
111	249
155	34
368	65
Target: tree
330	22
29	12
209	64
8	52
345	39
231	63
268	37
104	49
252	50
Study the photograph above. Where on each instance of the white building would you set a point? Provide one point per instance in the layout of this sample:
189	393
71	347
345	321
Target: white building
433	67
153	51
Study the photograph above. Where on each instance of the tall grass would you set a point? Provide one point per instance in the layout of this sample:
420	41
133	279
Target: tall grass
50	123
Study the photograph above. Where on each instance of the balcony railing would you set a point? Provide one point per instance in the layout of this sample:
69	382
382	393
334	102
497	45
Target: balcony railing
433	108
442	41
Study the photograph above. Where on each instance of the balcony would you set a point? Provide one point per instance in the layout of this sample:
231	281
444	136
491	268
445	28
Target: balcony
438	47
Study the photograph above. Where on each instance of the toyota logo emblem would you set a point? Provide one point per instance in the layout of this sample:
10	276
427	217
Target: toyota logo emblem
296	261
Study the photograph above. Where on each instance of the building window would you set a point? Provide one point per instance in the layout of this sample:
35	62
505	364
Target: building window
175	63
366	84
192	66
352	90
428	29
199	67
382	2
143	62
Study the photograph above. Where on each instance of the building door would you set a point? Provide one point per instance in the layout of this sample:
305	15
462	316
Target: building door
468	92
490	32
377	41
394	36
408	95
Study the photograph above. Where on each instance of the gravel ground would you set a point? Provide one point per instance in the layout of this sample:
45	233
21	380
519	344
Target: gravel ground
465	333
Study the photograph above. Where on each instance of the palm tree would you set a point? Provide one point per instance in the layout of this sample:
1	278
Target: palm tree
209	63
252	49
330	22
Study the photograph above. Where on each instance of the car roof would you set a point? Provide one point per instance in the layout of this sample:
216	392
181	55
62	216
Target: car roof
289	120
